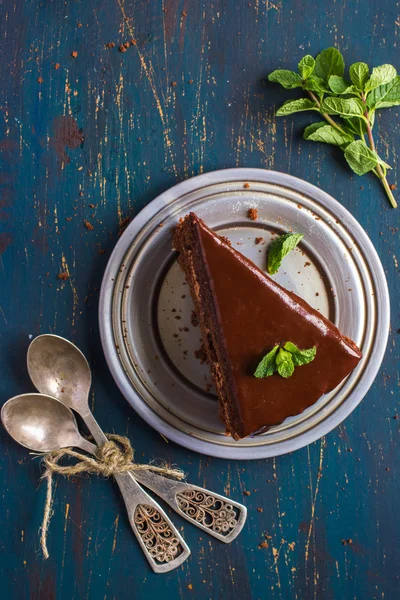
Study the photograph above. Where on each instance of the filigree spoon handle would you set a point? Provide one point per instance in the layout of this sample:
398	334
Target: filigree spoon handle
161	542
219	516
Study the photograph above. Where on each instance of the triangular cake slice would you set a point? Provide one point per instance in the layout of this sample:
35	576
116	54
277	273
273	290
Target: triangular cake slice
243	314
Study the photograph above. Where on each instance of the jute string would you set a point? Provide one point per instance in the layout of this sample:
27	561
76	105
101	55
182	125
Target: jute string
110	459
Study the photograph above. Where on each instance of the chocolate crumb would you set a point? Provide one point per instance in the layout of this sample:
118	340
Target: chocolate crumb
64	276
40	80
184	13
252	213
393	186
246	493
347	542
173	83
88	225
74	54
122	48
263	544
316	293
307	264
201	355
57	66
246	185
260	509
194	319
110	45
190	81
259	240
226	240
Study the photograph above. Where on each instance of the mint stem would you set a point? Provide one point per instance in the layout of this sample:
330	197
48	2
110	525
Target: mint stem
378	171
325	115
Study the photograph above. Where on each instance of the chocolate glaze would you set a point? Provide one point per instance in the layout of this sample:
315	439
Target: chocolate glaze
254	314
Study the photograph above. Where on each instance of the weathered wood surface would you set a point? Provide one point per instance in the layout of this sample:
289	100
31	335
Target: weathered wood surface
141	134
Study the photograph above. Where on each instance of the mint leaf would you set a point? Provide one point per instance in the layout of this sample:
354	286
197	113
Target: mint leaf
380	76
385	96
300	357
280	248
329	62
288	79
316	84
355	125
267	367
338	84
292	106
360	158
350	107
359	74
306	66
322	132
284	363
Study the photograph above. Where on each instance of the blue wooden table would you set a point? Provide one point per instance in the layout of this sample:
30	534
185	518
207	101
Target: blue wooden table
91	134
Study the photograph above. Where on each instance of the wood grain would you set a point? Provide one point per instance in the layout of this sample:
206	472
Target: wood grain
94	138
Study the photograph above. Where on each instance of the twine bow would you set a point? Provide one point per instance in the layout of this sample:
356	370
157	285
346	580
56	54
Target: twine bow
114	456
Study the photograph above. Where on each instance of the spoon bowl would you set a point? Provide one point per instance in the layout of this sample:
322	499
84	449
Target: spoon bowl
42	423
59	369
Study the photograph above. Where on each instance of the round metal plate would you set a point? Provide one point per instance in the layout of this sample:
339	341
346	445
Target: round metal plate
145	307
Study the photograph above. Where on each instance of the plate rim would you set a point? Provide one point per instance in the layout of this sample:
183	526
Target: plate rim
106	297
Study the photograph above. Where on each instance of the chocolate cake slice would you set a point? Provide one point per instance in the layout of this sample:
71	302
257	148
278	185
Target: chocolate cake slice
243	314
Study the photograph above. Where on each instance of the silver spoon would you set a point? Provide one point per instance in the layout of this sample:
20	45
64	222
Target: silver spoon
58	368
44	424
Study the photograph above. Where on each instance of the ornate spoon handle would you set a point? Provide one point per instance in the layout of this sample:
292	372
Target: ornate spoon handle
219	516
161	542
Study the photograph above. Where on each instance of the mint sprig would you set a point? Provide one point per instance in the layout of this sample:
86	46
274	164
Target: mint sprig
353	104
280	248
283	360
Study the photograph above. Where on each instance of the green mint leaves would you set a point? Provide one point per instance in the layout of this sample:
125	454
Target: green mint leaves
293	106
283	360
347	103
359	75
284	364
300	357
287	79
306	67
267	365
280	248
329	62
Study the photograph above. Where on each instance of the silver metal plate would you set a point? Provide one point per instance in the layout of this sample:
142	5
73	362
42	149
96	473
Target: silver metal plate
145	306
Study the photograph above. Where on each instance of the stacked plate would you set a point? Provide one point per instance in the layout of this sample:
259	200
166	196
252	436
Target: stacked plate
152	344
